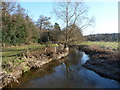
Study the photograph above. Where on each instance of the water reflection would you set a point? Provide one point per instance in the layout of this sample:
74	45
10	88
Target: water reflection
66	73
73	58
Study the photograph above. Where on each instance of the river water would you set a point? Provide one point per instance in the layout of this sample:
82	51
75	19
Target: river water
65	73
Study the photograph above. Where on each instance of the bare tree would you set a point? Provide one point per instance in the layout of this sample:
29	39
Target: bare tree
73	13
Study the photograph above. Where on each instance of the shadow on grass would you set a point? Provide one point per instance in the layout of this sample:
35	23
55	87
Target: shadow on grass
17	52
7	50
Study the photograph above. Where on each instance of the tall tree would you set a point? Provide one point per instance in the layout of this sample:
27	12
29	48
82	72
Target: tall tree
73	13
7	9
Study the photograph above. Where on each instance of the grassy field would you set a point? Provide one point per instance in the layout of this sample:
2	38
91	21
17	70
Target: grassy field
13	56
108	45
11	51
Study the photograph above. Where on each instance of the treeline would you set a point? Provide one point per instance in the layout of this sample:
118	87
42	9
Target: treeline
18	28
103	37
56	35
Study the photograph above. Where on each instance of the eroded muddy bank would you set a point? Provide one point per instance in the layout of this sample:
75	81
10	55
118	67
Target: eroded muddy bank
103	61
32	60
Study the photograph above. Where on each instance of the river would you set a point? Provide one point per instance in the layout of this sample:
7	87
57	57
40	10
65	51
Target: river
65	73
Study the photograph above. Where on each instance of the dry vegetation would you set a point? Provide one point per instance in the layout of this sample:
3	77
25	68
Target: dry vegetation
101	44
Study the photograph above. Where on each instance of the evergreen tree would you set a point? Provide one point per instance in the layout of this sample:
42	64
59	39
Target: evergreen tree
17	27
57	27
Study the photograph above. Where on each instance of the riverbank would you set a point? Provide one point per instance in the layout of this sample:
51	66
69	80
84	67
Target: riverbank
103	61
31	59
67	72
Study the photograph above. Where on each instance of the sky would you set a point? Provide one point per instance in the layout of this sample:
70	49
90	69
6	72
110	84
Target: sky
105	13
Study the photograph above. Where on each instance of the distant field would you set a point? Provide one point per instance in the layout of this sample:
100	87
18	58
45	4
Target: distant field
108	45
10	51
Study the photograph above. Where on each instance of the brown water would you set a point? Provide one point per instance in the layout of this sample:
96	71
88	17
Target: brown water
65	73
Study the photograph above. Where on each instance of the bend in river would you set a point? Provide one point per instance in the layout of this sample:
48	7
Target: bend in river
66	73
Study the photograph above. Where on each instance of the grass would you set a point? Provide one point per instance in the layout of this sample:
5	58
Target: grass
108	45
13	56
26	69
12	51
15	50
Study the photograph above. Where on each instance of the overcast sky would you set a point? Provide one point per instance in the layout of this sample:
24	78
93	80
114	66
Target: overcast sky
105	13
